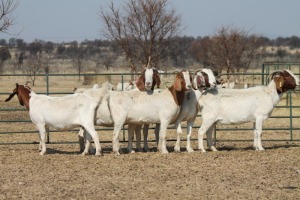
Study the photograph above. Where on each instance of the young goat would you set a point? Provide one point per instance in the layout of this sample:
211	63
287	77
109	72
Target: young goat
144	108
232	106
61	112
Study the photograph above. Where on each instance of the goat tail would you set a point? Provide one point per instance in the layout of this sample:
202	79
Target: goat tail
104	92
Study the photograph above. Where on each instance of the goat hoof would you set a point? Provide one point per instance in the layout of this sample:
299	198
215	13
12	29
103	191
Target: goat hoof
165	152
131	151
214	149
42	153
190	150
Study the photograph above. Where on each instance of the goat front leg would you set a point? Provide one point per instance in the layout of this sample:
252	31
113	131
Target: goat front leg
131	128
257	135
115	140
42	134
137	131
188	136
179	132
162	146
145	133
81	139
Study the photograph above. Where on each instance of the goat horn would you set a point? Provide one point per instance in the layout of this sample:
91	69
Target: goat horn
272	74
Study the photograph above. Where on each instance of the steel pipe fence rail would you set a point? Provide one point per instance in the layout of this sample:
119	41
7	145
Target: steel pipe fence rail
121	77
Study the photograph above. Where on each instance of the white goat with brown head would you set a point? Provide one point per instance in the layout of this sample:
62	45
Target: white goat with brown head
134	107
234	106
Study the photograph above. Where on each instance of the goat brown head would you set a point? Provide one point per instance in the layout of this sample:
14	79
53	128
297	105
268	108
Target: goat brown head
285	80
22	92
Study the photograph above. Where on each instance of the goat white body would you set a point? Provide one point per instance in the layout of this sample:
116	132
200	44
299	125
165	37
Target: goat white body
139	108
66	112
234	106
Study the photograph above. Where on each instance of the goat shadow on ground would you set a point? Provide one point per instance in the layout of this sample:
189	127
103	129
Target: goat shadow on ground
277	146
108	150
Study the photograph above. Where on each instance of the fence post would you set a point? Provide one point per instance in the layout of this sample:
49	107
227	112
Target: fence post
47	92
291	116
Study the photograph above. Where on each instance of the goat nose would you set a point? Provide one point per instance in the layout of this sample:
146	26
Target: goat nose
148	83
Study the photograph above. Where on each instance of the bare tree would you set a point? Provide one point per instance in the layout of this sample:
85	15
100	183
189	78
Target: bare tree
33	67
236	49
143	29
7	7
230	50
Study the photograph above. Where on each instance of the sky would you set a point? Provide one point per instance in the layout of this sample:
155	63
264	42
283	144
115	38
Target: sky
69	20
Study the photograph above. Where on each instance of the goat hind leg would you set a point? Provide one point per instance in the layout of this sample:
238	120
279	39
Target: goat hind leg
94	135
179	132
209	134
188	136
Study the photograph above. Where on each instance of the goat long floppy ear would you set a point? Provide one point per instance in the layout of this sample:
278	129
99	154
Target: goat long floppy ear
177	83
10	97
156	78
13	93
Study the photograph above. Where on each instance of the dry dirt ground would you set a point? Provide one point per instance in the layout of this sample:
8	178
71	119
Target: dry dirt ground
236	171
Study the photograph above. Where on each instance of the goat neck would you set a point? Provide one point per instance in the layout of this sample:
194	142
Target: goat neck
179	87
177	95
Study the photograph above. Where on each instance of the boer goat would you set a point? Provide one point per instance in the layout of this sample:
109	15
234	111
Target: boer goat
202	79
148	79
134	107
232	106
61	112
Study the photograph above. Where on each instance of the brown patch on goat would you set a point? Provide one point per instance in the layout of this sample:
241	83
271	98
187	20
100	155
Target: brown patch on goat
22	92
178	89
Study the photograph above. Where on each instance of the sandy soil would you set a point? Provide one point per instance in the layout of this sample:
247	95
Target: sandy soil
234	172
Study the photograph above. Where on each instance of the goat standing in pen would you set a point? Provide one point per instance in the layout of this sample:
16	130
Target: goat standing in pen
61	112
233	106
134	107
148	79
202	79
